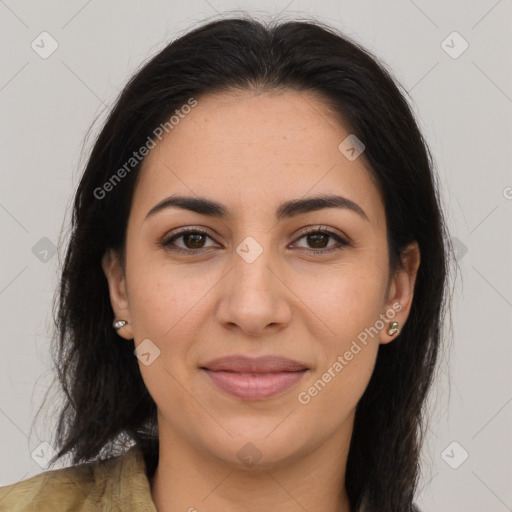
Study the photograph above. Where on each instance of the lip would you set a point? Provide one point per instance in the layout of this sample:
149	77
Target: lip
254	378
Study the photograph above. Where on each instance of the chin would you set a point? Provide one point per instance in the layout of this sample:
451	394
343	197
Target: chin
250	449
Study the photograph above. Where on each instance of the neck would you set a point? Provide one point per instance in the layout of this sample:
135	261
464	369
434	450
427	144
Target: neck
188	478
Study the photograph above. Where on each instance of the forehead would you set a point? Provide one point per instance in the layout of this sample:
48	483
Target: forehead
253	151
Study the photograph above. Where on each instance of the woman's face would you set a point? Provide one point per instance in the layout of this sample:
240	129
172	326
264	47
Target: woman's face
256	284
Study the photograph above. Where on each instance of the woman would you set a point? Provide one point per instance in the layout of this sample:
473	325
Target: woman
252	299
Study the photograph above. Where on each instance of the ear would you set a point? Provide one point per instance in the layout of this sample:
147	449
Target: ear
114	273
401	291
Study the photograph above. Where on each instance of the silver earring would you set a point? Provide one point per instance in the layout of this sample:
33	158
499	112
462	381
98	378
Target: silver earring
117	324
393	328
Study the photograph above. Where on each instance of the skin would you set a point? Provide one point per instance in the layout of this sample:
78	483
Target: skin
252	152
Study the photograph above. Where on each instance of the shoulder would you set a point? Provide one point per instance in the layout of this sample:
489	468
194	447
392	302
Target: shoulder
61	489
85	487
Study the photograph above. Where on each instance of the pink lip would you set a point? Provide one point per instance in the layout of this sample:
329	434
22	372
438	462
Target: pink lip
254	386
254	378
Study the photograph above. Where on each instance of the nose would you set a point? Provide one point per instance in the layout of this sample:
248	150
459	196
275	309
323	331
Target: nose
254	296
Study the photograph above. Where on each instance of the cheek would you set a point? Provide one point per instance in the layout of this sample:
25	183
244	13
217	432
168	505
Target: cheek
343	301
168	305
161	296
343	310
343	323
156	302
165	306
334	392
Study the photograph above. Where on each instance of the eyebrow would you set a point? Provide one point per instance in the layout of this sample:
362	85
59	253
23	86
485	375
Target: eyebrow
288	209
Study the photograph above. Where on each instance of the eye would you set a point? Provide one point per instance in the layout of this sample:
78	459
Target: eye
192	237
319	237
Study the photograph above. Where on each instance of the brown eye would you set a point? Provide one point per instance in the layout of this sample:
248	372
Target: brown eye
318	240
193	240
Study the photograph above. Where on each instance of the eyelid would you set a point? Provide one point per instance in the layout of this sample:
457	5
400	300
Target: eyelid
315	228
166	239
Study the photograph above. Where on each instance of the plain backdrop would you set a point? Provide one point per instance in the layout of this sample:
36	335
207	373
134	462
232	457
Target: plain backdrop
454	58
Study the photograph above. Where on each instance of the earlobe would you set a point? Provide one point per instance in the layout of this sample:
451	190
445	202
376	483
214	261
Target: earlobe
401	293
117	291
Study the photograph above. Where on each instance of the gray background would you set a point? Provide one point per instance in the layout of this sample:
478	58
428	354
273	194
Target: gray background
463	105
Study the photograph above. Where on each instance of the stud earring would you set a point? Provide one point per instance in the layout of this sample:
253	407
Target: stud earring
117	324
393	328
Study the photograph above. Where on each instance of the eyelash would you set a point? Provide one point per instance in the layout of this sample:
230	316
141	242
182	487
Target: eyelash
166	243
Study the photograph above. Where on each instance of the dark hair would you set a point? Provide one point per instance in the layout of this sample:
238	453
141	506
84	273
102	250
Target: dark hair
106	401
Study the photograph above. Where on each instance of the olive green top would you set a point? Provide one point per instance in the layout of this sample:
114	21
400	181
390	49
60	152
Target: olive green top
117	484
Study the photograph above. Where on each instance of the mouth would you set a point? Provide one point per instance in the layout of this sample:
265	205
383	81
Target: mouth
250	378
